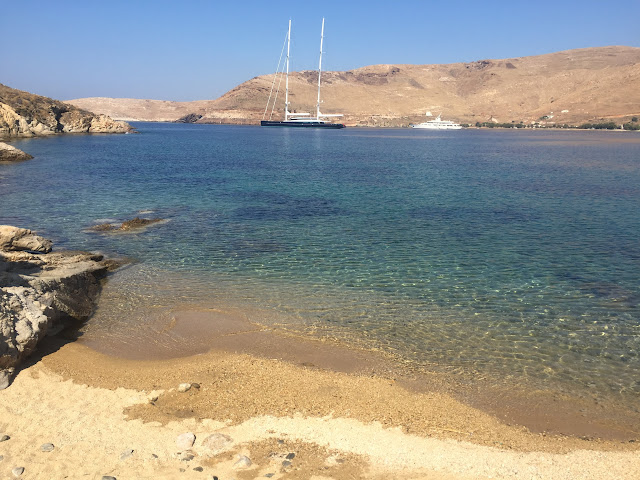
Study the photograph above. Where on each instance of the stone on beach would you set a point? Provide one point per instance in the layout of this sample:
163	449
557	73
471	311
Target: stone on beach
216	443
4	438
126	454
47	447
243	462
184	387
17	471
185	441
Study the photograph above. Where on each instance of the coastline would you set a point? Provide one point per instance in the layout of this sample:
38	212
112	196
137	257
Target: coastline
342	413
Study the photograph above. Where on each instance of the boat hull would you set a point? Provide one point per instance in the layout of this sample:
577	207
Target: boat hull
437	127
269	123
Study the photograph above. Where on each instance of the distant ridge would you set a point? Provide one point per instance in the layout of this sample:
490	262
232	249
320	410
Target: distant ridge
571	87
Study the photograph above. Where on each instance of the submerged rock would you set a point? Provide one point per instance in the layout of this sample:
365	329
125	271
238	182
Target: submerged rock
12	154
39	292
130	225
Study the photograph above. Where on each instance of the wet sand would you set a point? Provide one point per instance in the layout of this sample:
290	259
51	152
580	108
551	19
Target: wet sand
342	413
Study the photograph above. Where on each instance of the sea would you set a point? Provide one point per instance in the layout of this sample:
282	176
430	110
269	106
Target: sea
511	255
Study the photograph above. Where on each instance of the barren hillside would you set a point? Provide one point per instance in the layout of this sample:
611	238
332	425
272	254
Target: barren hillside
571	87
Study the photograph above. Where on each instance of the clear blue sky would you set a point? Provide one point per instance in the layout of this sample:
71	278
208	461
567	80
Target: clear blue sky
195	50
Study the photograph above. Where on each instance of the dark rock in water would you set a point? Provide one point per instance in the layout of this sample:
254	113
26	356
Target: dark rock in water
39	291
191	118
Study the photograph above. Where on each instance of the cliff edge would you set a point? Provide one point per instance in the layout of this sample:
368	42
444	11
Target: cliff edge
40	292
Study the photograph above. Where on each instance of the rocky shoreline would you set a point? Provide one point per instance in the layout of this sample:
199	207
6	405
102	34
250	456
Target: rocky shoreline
41	292
12	154
24	114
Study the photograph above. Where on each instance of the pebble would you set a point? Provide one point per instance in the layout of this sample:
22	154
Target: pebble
286	463
4	438
184	387
108	477
1	457
185	440
198	469
290	456
17	471
47	447
187	456
126	454
217	442
243	462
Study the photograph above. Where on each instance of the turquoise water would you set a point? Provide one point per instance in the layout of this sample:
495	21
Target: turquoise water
510	254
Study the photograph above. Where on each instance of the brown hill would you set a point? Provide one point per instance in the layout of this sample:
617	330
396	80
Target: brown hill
26	114
571	87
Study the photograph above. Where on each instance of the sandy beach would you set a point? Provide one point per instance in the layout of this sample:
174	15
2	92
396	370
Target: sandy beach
266	404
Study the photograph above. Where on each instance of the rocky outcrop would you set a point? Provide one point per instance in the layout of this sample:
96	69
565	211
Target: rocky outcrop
40	293
12	154
23	114
190	118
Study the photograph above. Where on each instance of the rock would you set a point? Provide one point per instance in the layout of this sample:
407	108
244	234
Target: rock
1	457
4	438
127	226
286	463
17	471
12	154
216	443
184	387
126	454
198	469
108	477
290	456
185	441
243	462
190	118
187	456
47	447
38	292
22	239
23	114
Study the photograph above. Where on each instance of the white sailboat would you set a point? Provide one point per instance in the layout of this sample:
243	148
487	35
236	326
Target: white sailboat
301	119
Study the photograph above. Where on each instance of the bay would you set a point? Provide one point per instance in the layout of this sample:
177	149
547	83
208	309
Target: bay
510	255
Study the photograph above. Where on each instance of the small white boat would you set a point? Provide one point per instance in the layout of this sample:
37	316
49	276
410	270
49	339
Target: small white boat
438	124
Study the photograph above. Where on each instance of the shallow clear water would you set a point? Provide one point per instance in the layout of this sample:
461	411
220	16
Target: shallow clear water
510	254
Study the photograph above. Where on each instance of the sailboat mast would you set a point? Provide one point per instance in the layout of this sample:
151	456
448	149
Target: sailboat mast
320	70
286	83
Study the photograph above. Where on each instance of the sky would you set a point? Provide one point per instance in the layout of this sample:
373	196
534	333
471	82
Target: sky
186	50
